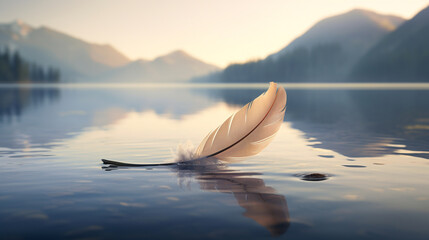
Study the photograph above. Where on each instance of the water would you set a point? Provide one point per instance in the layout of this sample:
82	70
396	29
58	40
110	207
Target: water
370	141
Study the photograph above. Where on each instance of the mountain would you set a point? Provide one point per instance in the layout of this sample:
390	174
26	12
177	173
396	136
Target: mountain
79	60
355	31
325	53
175	66
49	47
402	55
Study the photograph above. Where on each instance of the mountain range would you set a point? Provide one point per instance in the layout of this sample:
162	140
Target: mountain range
355	31
352	34
79	60
325	53
178	66
359	46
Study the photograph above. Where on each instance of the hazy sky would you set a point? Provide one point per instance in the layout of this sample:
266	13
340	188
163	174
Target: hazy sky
218	31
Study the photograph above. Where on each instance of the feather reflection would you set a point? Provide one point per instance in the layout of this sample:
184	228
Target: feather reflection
261	203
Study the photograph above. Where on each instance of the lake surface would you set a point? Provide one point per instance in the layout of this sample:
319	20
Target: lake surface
371	141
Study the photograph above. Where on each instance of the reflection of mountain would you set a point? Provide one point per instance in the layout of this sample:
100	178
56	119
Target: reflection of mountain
32	114
326	52
401	55
355	123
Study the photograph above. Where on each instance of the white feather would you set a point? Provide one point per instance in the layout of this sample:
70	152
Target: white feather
249	130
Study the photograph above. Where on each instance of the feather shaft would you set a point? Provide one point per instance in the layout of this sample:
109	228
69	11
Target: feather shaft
249	130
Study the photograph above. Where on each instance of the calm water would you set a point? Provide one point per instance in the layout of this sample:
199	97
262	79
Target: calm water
373	145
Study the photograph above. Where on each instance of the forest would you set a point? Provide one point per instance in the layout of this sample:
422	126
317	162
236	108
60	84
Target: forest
326	61
15	69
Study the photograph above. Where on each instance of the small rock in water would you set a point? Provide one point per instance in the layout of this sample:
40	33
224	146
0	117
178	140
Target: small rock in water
354	166
314	177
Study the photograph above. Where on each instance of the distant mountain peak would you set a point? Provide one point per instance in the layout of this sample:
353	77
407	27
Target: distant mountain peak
81	60
19	22
360	11
177	66
180	56
357	28
18	27
386	21
365	12
401	55
138	62
423	13
179	52
176	54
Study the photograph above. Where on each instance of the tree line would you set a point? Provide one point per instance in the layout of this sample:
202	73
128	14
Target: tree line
14	69
323	62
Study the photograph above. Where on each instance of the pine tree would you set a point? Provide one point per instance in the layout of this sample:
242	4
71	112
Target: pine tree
14	69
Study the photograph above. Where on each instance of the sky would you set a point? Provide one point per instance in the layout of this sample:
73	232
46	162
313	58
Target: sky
218	32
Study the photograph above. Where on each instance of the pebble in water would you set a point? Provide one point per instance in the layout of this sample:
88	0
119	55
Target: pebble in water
313	177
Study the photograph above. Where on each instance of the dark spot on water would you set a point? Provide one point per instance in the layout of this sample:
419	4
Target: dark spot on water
376	163
313	176
355	166
109	168
350	159
326	156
